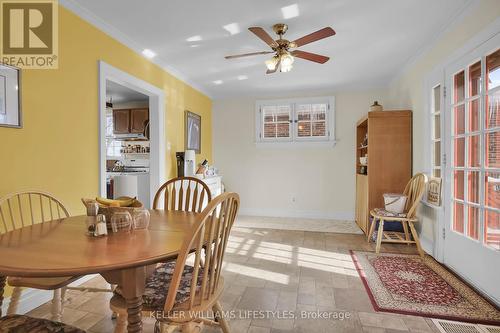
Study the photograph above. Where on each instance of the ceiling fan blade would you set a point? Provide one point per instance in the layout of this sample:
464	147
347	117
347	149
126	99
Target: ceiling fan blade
262	34
317	35
247	54
310	56
275	68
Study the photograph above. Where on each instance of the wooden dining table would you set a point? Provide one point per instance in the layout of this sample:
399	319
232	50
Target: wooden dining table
63	248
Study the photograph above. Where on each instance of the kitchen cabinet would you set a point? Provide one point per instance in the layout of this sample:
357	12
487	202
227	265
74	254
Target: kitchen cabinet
138	120
127	121
121	121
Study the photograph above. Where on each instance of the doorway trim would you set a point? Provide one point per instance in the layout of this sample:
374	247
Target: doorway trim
157	124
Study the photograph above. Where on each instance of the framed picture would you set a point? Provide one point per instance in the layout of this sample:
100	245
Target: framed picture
434	191
10	92
193	132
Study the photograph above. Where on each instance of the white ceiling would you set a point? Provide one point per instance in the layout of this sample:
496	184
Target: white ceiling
120	94
374	40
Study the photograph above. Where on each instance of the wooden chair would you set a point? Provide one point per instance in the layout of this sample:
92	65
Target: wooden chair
23	209
176	293
414	191
183	193
19	323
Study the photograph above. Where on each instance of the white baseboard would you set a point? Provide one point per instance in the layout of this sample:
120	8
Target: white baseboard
427	245
343	216
33	298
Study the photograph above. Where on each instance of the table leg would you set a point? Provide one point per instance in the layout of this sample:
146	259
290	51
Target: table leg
132	282
3	279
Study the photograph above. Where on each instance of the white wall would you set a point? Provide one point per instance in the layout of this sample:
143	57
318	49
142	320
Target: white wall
321	179
407	90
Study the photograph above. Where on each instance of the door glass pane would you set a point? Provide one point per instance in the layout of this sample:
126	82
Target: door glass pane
459	116
437	99
459	152
492	150
492	189
492	229
437	126
474	79
474	151
459	87
493	112
474	115
458	217
473	222
473	180
437	153
459	185
493	70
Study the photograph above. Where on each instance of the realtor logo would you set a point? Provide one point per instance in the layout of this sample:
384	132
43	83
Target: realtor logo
29	34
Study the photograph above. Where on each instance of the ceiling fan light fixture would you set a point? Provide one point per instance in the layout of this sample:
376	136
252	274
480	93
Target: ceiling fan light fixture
286	68
271	63
287	59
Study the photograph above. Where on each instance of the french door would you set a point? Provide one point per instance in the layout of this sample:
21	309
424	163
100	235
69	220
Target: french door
472	169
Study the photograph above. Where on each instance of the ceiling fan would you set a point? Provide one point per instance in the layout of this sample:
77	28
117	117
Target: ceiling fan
284	58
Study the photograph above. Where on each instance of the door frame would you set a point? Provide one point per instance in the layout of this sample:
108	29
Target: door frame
157	112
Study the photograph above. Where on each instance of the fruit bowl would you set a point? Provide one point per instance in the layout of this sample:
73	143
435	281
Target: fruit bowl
132	204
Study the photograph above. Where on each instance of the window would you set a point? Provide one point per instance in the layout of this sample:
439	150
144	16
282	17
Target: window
475	120
292	121
436	131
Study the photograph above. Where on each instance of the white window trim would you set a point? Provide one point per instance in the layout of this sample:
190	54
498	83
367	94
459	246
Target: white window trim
293	141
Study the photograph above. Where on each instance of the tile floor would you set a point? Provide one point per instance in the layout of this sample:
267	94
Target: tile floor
282	271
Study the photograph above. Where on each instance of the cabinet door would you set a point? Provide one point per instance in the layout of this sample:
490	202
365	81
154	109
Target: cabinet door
121	121
138	119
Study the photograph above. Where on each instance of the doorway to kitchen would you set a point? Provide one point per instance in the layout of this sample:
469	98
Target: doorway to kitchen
131	128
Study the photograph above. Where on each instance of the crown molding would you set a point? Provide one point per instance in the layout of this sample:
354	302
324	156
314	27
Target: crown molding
458	17
121	37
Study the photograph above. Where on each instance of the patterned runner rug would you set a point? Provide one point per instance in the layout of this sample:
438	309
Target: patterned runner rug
412	285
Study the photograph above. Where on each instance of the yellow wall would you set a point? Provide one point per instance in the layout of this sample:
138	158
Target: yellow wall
57	148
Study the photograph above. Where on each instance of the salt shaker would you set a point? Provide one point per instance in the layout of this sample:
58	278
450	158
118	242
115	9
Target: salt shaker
100	227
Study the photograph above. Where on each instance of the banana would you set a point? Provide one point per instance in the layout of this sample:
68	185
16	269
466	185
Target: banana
115	202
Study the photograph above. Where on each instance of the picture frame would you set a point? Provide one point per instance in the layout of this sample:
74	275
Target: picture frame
192	131
434	191
10	96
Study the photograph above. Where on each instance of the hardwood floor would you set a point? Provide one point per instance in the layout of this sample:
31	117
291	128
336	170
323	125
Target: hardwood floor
281	272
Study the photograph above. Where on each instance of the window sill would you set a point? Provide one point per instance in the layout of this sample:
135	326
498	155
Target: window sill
294	145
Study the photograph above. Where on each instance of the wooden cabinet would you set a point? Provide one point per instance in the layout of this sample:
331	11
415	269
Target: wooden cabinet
389	166
126	121
121	121
138	120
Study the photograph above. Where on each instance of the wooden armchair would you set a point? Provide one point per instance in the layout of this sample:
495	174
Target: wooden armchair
177	293
183	193
414	191
23	209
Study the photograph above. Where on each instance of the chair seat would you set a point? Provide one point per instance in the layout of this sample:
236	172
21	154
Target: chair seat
385	213
41	283
25	324
155	292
